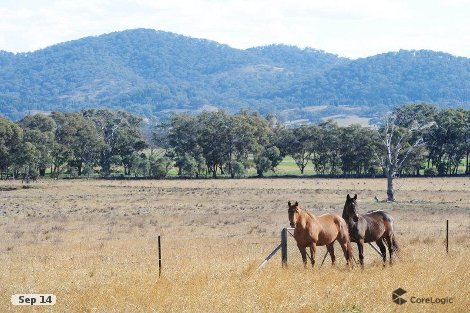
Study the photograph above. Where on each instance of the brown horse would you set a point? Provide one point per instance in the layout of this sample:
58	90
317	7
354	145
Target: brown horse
373	226
312	231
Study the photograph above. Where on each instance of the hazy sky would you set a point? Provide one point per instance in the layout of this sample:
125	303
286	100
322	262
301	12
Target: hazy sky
351	28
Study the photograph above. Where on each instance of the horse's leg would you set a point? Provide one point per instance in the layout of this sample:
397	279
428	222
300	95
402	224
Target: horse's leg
360	247
313	250
382	249
303	252
347	251
331	251
388	239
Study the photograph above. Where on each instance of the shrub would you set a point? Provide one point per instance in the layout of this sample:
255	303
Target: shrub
159	166
238	169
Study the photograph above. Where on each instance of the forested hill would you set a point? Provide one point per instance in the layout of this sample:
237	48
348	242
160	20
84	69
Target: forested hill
153	73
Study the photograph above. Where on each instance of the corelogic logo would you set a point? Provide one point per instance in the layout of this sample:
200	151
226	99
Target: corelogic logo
398	293
396	296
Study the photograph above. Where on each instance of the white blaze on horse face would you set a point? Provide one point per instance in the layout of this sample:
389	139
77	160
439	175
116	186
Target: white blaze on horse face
354	209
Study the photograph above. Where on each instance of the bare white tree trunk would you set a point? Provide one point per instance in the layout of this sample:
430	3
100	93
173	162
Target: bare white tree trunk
390	191
393	140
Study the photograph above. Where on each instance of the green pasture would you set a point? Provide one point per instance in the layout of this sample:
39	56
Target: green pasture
286	167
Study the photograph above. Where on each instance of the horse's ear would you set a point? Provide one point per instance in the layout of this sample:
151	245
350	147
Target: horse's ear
289	204
348	197
355	196
296	203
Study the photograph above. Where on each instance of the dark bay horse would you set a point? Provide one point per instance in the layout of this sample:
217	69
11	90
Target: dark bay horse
312	231
373	226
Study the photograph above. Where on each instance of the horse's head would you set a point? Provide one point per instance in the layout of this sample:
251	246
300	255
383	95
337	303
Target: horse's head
350	208
293	212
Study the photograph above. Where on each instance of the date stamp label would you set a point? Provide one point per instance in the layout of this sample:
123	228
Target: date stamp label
33	299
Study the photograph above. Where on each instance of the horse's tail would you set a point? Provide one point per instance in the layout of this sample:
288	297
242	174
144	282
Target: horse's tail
395	247
344	231
393	241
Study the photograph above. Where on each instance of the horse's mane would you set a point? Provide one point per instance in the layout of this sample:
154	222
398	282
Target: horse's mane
378	210
308	213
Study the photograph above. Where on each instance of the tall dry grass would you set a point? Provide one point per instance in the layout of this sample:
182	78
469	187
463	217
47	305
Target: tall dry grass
93	245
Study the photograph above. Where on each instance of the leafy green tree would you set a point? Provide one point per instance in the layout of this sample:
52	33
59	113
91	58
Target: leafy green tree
447	140
237	169
159	166
327	146
60	155
215	139
11	137
467	143
250	134
141	165
415	161
409	115
80	136
298	143
187	165
268	159
26	158
183	131
357	150
39	130
120	134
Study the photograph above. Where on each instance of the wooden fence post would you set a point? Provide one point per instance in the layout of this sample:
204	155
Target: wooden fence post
284	247
447	236
159	257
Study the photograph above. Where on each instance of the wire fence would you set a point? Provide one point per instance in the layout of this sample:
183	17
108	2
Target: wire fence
125	249
136	250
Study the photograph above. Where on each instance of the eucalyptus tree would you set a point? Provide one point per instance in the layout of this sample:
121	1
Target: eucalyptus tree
251	135
120	134
394	146
268	159
182	133
79	136
39	130
409	115
327	147
215	138
298	143
357	150
448	140
26	158
11	138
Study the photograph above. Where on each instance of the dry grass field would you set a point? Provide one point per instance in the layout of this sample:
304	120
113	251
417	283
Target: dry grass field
93	244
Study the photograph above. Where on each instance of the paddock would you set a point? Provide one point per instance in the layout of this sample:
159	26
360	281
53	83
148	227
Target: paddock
94	245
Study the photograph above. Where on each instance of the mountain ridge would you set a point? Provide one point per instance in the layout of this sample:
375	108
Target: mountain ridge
153	73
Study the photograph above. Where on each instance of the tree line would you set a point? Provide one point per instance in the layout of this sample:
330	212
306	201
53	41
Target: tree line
414	139
75	143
